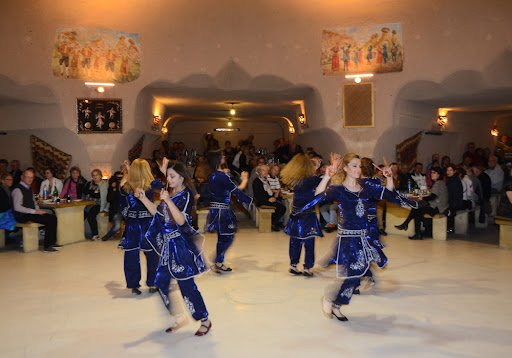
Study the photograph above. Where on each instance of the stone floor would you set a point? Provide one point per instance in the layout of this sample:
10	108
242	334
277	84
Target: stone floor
435	299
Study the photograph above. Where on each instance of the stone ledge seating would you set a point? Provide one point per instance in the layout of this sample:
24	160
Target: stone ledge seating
461	222
505	231
263	217
439	226
30	235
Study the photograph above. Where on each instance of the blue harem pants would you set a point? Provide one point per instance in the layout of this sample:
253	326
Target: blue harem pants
296	248
191	295
346	290
132	267
223	244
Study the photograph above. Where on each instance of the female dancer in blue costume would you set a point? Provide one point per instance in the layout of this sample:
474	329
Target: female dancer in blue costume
299	175
138	219
355	252
220	217
368	178
180	246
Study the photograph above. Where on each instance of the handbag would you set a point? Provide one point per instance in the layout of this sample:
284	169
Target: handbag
7	220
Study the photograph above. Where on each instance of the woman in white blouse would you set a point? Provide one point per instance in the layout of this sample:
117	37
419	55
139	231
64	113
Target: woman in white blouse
50	184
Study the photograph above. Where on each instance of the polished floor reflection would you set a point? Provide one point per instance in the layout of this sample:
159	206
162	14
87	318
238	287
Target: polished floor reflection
436	299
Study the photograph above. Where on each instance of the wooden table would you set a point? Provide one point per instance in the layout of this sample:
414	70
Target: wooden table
70	220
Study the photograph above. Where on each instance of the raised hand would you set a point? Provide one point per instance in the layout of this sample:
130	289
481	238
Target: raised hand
164	195
386	171
163	166
244	175
139	193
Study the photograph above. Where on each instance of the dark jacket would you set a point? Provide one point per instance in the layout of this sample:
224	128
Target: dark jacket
455	192
260	195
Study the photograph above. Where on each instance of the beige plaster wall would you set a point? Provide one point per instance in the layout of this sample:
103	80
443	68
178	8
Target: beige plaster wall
180	38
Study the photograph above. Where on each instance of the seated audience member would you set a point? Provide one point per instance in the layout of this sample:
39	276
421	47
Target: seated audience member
253	174
273	179
7	221
73	185
472	154
455	195
445	161
435	158
496	174
405	182
468	193
16	171
229	153
4	164
418	176
483	192
394	173
437	203
96	190
26	209
114	210
263	195
505	207
51	184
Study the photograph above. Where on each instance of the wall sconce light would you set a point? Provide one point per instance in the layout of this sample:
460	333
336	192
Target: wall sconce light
164	130
302	119
494	131
442	121
100	86
291	129
358	77
156	120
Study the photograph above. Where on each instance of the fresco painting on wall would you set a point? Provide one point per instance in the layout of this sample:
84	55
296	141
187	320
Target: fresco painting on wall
96	55
99	115
374	49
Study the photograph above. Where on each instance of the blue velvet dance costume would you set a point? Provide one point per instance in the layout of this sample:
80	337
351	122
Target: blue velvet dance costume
220	217
180	248
137	219
356	246
303	228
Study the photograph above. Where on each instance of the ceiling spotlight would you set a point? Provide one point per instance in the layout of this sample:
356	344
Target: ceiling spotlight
230	124
100	86
232	110
357	80
100	89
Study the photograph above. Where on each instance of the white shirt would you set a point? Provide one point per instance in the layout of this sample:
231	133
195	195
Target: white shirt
497	177
46	185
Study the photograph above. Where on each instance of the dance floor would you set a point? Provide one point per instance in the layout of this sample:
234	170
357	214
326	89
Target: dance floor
435	299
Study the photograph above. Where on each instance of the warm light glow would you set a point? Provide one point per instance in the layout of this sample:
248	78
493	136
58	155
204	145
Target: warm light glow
164	130
100	89
302	118
359	76
104	84
232	111
442	111
156	120
442	120
495	132
230	124
291	130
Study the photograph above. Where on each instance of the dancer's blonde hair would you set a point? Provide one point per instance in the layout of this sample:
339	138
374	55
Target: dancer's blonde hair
340	176
297	169
139	176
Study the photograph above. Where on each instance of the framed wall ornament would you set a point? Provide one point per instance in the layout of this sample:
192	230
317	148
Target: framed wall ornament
358	105
99	115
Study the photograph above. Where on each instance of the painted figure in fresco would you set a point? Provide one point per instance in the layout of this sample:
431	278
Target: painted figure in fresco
110	61
346	57
385	54
86	59
111	113
335	58
100	120
369	55
394	52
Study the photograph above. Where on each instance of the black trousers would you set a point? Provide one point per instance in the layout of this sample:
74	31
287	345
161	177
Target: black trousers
279	213
90	214
50	226
418	216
